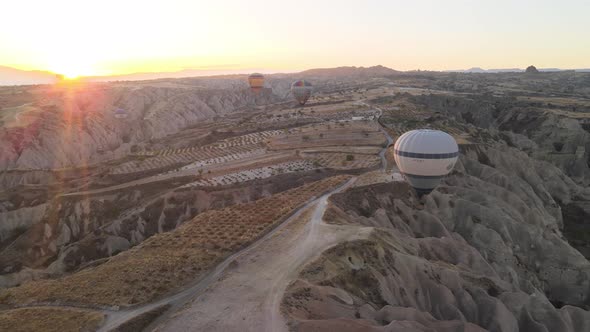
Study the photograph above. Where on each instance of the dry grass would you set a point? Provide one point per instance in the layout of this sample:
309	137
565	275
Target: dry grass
140	322
167	261
369	150
342	161
557	101
374	177
569	114
20	116
353	133
48	319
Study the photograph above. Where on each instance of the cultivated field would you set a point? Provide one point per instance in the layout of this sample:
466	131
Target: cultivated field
220	152
254	174
168	261
346	160
48	319
355	133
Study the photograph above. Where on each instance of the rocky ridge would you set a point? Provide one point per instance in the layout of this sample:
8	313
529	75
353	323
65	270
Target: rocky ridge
483	252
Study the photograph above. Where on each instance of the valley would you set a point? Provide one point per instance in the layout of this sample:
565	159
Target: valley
209	207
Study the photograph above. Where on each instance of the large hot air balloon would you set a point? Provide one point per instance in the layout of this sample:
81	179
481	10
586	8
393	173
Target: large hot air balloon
120	113
302	91
424	157
256	82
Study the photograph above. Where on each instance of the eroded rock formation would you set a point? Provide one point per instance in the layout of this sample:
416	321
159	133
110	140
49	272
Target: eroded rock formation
483	252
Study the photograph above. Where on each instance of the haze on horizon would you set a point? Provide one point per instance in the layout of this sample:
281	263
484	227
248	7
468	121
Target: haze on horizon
81	38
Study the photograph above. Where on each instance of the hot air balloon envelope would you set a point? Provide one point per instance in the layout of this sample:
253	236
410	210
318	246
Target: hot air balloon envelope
302	90
424	157
256	82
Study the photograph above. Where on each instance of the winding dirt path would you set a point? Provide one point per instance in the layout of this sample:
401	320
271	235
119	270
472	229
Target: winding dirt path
115	318
389	138
248	296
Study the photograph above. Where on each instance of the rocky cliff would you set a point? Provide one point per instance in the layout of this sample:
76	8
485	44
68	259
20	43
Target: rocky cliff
76	126
558	134
485	251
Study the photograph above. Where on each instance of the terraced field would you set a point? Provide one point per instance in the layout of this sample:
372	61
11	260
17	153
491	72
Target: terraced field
253	174
200	157
223	151
397	131
223	159
349	114
346	160
354	133
248	139
168	261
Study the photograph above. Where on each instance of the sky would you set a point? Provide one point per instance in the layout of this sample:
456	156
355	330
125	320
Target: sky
110	37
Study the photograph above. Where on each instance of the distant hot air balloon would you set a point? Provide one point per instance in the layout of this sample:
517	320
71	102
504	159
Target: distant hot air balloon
120	113
424	157
302	91
256	82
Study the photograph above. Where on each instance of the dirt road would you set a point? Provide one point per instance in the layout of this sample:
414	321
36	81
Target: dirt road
389	138
248	296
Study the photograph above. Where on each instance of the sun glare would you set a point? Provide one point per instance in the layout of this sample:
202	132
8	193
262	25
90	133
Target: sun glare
71	66
72	72
69	73
70	76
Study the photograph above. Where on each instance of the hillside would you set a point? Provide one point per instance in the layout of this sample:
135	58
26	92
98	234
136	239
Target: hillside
12	76
374	71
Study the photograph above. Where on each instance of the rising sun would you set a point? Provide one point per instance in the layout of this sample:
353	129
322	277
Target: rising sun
70	75
71	68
